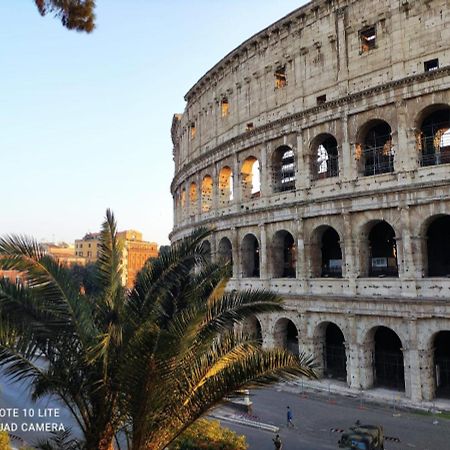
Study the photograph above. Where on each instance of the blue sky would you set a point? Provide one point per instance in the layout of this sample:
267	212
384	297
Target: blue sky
85	119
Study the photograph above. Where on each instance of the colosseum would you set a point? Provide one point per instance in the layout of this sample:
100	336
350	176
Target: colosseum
319	150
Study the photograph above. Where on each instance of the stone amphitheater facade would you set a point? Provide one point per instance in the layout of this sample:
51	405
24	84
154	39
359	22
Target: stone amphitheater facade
319	150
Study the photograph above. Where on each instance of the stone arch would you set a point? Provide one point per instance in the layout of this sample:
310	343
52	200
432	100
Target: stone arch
251	327
206	250
283	255
433	135
437	256
283	169
193	198
326	252
441	363
225	186
250	178
207	191
374	150
225	251
285	335
324	156
332	351
250	255
388	364
378	249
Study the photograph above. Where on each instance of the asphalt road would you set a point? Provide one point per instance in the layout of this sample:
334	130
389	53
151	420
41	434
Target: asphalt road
315	415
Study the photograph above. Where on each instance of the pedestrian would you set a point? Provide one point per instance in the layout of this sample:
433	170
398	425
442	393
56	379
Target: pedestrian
277	442
289	422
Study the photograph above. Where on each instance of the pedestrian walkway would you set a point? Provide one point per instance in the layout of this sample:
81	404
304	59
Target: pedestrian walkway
386	397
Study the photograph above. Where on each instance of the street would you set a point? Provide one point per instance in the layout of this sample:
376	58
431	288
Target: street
316	414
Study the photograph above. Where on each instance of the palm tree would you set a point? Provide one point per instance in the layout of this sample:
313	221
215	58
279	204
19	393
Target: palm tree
149	361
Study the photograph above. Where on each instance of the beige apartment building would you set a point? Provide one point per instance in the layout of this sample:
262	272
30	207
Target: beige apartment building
136	252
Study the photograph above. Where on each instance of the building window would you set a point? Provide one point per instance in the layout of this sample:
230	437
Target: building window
325	160
368	39
283	169
249	126
432	64
321	99
280	77
224	107
193	131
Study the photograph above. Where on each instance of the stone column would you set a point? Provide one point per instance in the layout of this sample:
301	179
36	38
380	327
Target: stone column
215	190
341	47
236	253
301	269
405	157
366	362
352	353
303	179
237	192
427	375
349	248
348	166
264	172
263	273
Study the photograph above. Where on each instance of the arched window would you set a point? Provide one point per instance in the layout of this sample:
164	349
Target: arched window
224	107
250	179
225	251
389	366
326	254
207	190
283	169
250	257
283	255
193	198
438	247
442	364
335	359
434	138
325	161
375	151
251	327
225	186
382	251
286	335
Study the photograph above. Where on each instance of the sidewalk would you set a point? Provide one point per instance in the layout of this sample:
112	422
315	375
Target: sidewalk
380	396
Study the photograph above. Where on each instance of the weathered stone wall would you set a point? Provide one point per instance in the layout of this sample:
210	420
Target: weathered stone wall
320	48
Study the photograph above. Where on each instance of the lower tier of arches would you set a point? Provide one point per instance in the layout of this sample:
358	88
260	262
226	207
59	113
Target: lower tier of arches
405	349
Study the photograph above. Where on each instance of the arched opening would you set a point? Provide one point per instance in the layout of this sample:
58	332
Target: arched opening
250	257
225	186
225	251
326	254
251	327
389	368
250	179
434	137
224	107
331	254
206	251
286	336
283	255
442	364
382	251
325	161
283	169
375	151
335	359
207	190
438	247
193	198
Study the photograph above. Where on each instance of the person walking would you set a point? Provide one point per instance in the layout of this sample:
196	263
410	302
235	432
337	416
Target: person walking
277	442
289	422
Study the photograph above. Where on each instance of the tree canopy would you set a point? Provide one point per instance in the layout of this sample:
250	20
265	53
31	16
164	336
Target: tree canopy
74	14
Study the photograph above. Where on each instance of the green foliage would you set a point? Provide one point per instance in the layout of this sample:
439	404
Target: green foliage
209	435
86	277
151	360
61	440
74	14
4	441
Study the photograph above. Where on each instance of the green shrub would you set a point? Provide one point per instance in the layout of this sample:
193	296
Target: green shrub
209	435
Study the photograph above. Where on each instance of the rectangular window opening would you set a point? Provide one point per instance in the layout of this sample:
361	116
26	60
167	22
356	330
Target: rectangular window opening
321	99
225	107
193	131
368	39
249	126
280	77
432	64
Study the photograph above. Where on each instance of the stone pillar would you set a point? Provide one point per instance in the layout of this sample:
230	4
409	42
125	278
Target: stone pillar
263	273
427	375
213	241
264	172
236	252
267	325
215	190
348	248
347	163
301	262
413	389
237	191
352	353
341	47
303	179
366	362
419	255
405	156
